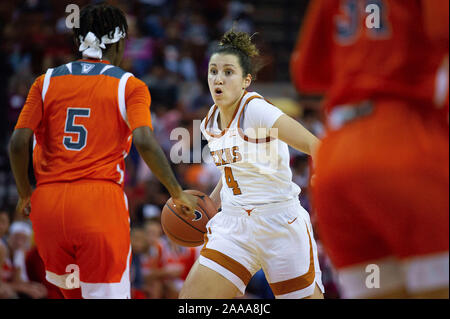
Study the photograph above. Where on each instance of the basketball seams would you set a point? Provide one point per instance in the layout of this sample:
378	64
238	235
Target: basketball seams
204	210
184	219
181	234
199	242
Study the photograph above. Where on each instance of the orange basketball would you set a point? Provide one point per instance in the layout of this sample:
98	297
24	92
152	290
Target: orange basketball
185	231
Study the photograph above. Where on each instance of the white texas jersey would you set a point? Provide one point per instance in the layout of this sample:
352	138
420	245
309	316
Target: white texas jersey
255	168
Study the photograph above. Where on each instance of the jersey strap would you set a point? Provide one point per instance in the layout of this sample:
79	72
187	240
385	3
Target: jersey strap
121	96
47	77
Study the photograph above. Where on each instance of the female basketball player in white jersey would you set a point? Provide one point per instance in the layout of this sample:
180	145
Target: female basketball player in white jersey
261	224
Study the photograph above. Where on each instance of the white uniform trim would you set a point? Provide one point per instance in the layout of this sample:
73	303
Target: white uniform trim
441	86
425	273
125	198
418	274
47	77
121	172
300	294
115	290
224	272
353	280
34	141
69	67
106	67
121	96
57	280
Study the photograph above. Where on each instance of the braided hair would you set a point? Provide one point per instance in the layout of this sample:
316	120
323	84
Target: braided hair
100	19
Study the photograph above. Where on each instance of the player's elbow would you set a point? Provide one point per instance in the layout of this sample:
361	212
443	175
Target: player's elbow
19	142
143	139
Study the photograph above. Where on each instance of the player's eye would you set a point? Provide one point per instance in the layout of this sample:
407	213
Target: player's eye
213	71
228	72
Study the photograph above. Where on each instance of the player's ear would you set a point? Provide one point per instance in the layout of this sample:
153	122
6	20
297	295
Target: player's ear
247	81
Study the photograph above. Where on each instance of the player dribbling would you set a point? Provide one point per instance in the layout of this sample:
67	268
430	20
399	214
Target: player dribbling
261	224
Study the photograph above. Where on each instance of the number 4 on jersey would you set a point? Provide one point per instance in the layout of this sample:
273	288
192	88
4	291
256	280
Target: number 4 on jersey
231	182
71	127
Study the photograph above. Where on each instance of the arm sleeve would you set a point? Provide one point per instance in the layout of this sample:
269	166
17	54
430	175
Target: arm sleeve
261	114
31	114
137	100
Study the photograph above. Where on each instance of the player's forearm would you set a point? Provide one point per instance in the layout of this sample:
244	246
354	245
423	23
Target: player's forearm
294	134
19	161
159	165
156	160
215	195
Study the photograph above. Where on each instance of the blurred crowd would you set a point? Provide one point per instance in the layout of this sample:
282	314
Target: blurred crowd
168	47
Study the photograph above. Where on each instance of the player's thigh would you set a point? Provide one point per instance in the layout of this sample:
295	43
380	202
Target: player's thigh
288	253
98	220
203	283
229	249
47	216
372	228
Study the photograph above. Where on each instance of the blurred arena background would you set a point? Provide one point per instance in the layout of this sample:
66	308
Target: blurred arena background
167	47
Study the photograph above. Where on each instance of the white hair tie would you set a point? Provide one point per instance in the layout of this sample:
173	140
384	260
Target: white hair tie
92	47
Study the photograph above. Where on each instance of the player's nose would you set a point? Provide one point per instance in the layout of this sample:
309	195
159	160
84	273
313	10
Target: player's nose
218	80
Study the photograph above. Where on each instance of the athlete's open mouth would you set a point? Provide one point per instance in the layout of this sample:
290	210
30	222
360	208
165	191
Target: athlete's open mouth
218	91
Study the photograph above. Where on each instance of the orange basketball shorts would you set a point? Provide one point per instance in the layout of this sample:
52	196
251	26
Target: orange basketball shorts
381	190
84	224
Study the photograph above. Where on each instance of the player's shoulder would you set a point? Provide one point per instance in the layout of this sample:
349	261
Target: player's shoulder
83	67
256	101
209	113
253	97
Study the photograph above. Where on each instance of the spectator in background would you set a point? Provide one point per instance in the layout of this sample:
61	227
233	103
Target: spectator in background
163	265
6	291
35	270
19	242
35	37
237	15
138	48
177	261
139	247
301	176
18	91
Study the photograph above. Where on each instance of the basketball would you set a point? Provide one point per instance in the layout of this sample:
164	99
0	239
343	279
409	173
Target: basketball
186	231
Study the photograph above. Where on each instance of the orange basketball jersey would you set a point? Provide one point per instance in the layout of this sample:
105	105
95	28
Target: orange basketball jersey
82	114
355	50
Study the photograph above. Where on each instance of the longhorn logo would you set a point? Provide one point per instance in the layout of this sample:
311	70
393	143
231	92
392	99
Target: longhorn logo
198	216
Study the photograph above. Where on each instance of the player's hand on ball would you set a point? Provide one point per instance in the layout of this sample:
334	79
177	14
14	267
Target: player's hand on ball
187	203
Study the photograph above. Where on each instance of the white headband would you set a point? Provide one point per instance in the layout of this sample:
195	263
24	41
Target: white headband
92	47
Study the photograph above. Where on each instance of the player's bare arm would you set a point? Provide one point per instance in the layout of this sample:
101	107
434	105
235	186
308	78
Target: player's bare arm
296	135
19	157
154	157
215	195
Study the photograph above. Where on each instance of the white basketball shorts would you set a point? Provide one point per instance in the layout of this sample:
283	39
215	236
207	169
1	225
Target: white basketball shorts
276	237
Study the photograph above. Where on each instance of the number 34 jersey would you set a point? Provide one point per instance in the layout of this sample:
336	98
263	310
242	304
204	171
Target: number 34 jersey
82	114
255	167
